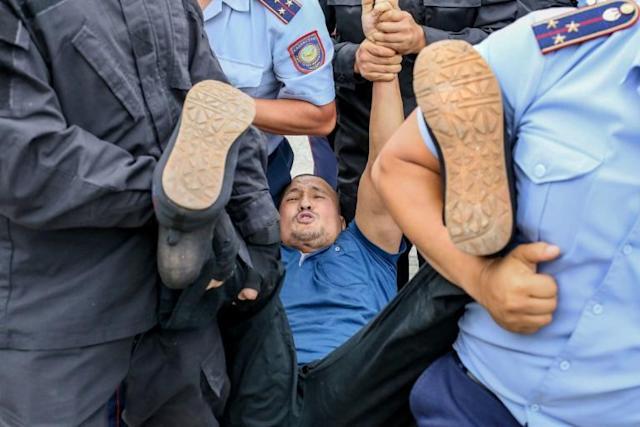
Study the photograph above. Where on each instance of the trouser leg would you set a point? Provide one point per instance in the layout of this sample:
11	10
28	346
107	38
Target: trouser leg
279	170
262	369
352	150
367	380
70	387
325	164
445	395
177	378
251	207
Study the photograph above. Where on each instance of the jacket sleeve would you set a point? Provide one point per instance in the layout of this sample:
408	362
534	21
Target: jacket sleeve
344	55
54	175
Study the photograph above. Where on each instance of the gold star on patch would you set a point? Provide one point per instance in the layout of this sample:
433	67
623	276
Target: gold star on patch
553	23
572	27
281	11
559	39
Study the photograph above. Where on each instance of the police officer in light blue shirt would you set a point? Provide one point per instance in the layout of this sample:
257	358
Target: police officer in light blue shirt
279	52
573	119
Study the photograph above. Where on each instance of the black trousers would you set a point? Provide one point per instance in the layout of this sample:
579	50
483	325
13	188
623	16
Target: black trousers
364	382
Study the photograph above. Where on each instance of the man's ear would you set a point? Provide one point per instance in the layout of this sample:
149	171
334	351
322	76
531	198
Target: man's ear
343	222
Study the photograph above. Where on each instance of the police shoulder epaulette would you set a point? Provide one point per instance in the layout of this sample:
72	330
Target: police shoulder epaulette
284	10
584	24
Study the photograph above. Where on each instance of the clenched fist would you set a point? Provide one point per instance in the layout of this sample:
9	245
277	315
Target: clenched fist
517	297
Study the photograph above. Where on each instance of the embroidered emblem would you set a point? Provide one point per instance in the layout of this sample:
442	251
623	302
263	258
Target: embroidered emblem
584	24
307	53
284	10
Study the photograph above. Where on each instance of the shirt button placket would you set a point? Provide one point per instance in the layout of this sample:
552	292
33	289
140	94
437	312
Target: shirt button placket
597	309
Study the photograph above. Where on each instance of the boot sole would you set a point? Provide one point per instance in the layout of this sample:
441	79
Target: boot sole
213	116
462	104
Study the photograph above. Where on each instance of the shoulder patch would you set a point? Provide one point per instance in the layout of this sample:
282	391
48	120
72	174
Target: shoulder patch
284	10
584	24
307	53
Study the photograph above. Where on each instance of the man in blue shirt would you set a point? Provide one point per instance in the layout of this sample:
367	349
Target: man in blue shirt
554	332
278	52
337	344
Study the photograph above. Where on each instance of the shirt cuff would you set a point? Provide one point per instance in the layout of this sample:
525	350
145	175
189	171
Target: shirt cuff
425	134
343	62
433	35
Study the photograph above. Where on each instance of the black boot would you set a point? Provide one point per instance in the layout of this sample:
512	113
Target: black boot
194	179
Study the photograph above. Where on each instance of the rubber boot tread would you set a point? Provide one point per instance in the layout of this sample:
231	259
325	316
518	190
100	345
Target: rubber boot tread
462	105
214	115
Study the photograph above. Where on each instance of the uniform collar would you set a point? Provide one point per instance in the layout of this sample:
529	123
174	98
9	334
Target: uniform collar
215	7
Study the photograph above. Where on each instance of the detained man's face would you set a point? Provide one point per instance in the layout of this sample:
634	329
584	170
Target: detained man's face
309	214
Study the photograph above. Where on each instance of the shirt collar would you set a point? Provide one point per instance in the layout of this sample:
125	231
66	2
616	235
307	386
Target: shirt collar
215	7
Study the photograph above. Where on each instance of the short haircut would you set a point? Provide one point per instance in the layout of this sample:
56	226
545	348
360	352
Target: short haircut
333	193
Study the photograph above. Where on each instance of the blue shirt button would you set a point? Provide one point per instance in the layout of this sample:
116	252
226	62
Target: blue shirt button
534	407
627	249
565	365
597	309
539	170
337	248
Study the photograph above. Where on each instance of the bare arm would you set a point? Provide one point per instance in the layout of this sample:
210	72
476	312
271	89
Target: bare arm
407	177
372	216
294	117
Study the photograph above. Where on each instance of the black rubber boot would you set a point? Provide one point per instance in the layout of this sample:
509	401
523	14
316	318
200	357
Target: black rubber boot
194	179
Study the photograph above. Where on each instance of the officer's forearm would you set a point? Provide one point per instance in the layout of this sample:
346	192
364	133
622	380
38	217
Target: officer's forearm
294	117
411	191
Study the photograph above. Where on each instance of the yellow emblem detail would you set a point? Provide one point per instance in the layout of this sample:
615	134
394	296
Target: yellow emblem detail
559	39
553	23
627	9
611	14
309	54
572	27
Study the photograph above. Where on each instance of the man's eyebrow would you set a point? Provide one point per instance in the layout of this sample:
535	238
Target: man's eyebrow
293	190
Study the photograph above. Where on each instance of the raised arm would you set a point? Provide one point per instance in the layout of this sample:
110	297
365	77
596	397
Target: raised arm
372	216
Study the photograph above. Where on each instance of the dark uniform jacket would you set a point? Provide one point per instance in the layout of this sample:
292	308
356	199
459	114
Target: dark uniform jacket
469	20
90	92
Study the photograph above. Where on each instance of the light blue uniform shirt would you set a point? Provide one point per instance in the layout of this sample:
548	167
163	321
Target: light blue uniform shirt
257	51
576	115
331	293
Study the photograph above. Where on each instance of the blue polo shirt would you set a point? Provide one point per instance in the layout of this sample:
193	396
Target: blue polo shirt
331	293
576	116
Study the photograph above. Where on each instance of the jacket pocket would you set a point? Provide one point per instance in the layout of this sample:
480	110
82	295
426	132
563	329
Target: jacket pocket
549	175
103	63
